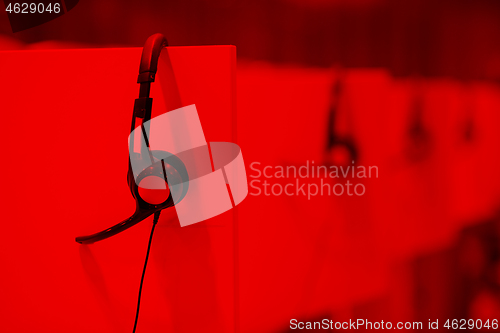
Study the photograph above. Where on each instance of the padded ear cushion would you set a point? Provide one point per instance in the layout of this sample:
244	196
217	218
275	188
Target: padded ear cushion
342	152
154	190
164	183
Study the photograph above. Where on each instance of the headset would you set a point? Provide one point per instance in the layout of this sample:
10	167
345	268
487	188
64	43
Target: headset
335	142
158	164
420	143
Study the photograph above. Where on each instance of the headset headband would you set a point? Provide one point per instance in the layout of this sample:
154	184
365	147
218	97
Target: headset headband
147	72
150	56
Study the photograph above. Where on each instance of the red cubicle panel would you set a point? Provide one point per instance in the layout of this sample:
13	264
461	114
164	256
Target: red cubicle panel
329	256
306	257
66	120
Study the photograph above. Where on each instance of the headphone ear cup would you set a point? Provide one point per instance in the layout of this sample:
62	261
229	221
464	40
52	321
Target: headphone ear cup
165	182
154	190
343	153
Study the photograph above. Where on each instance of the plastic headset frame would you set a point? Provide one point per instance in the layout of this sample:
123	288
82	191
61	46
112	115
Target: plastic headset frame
142	109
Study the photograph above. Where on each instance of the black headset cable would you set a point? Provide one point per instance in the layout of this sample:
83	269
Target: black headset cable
155	221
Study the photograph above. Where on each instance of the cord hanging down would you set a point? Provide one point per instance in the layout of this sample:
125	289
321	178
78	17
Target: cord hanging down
155	221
